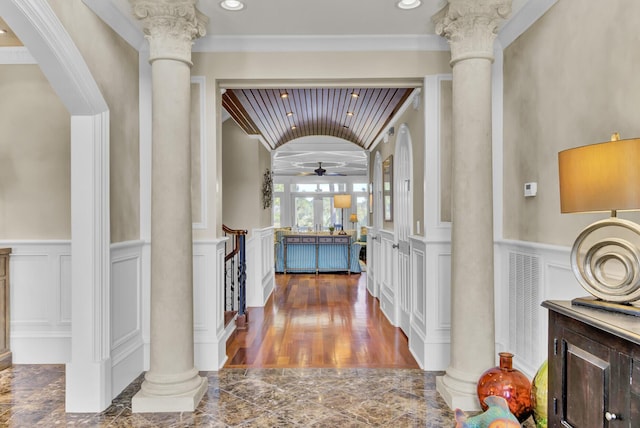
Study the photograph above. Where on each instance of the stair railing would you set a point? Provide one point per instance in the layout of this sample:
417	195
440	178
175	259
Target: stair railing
235	275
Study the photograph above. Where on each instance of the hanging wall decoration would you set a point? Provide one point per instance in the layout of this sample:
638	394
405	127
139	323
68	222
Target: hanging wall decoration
267	189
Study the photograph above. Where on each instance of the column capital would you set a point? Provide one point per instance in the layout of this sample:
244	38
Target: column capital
170	26
471	26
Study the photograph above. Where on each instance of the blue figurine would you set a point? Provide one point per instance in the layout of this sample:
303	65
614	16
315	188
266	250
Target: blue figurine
496	416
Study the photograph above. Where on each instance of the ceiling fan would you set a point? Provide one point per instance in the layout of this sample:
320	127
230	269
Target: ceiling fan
320	172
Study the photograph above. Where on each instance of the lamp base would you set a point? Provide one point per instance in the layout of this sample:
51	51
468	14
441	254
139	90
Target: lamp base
342	232
593	302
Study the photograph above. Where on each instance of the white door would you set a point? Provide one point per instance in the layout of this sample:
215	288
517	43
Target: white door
403	221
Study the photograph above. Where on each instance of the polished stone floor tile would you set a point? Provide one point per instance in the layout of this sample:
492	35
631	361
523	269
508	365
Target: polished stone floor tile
33	396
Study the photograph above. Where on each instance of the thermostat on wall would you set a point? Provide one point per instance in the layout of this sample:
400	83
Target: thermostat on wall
530	189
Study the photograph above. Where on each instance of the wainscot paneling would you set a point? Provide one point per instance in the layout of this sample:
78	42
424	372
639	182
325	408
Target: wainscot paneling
210	334
527	273
387	265
260	266
40	301
430	333
127	345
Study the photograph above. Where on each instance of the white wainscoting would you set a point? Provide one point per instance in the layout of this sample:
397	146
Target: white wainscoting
430	333
40	281
260	266
387	261
373	262
127	344
528	273
210	334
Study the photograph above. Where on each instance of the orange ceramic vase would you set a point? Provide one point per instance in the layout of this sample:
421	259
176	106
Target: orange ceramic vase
507	382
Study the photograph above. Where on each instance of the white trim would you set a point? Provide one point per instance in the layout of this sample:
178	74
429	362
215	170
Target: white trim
121	24
435	230
16	56
516	26
333	43
146	126
408	102
38	27
201	82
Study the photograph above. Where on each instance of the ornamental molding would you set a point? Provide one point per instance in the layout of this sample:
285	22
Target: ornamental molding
170	26
471	26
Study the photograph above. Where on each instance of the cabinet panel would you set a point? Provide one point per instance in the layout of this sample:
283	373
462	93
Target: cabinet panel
594	368
584	399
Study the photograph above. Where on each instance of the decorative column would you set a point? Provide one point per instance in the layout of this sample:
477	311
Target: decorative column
471	27
172	383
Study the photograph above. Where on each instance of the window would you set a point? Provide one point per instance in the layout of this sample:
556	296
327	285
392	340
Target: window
277	211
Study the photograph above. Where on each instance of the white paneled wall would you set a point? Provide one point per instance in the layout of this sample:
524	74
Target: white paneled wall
127	345
260	266
41	306
430	333
40	281
527	274
386	275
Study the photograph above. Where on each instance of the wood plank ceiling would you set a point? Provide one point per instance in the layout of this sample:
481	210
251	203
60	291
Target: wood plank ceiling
280	115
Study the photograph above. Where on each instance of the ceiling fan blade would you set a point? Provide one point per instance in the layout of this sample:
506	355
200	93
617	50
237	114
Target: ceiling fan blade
336	174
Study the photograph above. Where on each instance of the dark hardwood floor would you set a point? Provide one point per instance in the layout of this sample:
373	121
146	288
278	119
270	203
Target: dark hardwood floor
321	321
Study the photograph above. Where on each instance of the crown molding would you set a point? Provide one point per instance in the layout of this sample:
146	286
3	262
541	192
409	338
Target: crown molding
118	21
427	42
526	16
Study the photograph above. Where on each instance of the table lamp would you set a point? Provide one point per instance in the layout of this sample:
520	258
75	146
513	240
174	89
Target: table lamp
353	218
606	262
342	201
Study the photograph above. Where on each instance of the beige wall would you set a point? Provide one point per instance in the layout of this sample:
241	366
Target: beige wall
254	69
572	79
446	140
35	186
242	174
114	66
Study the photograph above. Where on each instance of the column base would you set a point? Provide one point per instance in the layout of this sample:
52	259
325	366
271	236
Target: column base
458	393
146	403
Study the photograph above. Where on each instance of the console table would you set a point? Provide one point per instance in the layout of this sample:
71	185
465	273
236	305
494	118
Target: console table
314	252
594	367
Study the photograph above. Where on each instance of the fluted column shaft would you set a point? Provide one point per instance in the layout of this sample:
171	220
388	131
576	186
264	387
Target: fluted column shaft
470	26
172	382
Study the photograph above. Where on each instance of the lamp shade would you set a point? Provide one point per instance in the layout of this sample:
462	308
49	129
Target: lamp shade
600	177
342	201
353	218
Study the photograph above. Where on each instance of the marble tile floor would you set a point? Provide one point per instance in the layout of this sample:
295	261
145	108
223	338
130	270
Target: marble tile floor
33	395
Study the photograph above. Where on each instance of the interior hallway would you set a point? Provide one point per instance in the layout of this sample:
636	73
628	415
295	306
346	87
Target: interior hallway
327	382
320	321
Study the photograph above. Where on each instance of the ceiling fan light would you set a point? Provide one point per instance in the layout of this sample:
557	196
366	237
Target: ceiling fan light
408	4
232	5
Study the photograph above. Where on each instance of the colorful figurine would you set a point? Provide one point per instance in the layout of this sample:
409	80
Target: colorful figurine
496	416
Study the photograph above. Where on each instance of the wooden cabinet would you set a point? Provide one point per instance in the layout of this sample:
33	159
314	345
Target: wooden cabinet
594	367
5	351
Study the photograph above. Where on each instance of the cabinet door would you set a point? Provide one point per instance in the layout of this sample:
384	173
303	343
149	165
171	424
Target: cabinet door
594	381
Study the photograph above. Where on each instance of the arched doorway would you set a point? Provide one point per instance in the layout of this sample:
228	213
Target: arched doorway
403	221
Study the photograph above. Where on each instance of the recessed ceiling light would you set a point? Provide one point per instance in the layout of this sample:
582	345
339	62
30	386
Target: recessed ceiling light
3	31
354	95
289	113
349	113
232	5
408	4
293	127
284	95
